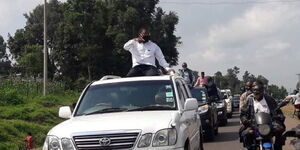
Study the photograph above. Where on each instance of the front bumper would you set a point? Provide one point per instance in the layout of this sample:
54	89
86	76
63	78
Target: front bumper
229	108
221	114
206	122
161	148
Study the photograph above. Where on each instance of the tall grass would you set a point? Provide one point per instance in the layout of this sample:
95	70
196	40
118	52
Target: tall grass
23	109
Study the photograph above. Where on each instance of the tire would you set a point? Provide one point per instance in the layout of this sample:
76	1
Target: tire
201	142
229	115
211	134
187	146
216	130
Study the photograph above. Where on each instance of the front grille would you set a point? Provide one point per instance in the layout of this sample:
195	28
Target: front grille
123	140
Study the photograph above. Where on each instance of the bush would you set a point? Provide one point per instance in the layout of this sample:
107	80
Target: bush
23	111
10	97
13	133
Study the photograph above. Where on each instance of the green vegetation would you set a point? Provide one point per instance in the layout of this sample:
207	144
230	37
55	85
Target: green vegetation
20	114
230	81
86	37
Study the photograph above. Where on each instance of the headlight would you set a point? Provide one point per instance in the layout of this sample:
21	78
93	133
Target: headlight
53	143
165	137
67	144
145	140
264	129
220	105
203	109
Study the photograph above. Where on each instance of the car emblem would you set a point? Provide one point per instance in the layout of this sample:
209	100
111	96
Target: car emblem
104	141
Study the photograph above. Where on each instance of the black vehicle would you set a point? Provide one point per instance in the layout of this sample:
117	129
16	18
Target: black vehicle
208	113
236	101
222	112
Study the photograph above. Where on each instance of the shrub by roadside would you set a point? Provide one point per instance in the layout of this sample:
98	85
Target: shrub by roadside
20	114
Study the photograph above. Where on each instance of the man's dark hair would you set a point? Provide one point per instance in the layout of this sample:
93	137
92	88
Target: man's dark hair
29	133
143	29
209	78
258	83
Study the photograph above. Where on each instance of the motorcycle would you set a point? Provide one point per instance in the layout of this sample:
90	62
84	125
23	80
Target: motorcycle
263	129
295	132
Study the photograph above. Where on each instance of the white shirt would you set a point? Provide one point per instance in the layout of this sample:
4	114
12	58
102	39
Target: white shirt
145	53
261	106
296	98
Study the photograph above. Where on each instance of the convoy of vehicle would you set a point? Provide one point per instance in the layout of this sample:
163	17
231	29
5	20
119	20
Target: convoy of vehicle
130	113
159	112
226	95
222	112
208	112
236	101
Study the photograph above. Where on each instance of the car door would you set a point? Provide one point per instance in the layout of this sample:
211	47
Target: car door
193	118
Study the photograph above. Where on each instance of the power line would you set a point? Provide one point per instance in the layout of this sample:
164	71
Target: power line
228	2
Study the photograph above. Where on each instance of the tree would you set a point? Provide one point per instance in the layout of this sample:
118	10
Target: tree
232	79
2	48
276	92
32	35
220	80
5	64
85	38
31	64
97	30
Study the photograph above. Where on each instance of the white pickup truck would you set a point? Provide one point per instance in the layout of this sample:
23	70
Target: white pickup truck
138	113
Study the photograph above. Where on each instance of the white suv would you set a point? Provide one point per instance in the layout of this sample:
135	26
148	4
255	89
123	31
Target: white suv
228	98
140	113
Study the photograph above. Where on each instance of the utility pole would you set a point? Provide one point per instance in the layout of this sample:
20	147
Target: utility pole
298	86
45	50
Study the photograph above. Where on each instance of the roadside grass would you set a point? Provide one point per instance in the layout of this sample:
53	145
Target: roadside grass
20	114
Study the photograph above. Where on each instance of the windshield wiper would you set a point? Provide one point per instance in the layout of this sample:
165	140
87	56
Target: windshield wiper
153	107
107	110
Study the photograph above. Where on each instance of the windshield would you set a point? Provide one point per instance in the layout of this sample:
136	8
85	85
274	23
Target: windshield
128	96
236	98
199	94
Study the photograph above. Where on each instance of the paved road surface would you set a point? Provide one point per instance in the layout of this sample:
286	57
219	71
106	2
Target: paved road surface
227	139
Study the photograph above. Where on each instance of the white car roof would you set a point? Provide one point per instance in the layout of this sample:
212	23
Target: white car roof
129	79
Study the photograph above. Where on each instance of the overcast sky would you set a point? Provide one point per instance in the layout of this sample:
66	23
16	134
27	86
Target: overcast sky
260	36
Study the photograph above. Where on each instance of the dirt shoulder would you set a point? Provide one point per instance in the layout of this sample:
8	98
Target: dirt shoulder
290	123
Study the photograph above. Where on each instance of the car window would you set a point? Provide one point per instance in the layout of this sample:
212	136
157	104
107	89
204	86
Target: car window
127	95
199	94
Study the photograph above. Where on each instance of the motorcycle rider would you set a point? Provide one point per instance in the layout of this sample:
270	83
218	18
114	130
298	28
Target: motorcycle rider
260	102
243	98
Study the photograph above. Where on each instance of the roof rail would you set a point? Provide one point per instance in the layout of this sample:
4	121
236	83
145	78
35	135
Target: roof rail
107	77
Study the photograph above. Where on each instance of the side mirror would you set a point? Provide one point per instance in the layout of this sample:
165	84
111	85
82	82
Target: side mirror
191	104
65	112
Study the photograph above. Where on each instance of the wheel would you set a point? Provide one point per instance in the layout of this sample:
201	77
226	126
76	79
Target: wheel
229	115
216	130
210	136
201	142
187	146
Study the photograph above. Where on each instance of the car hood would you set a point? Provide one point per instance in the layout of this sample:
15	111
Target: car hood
146	121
